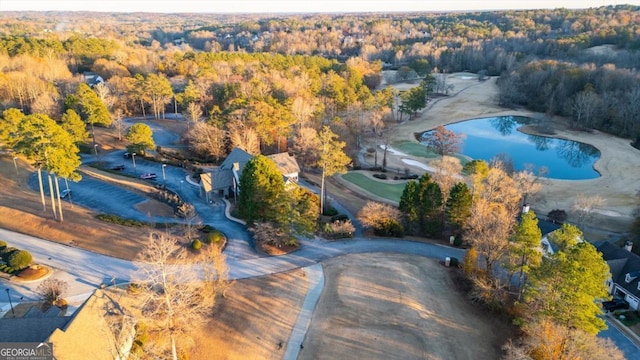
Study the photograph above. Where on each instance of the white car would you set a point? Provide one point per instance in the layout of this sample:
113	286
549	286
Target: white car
65	193
149	176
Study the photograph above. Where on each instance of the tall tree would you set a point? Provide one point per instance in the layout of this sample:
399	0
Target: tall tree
566	285
157	89
525	247
50	148
174	298
141	138
443	141
261	189
207	140
458	206
332	159
9	123
74	125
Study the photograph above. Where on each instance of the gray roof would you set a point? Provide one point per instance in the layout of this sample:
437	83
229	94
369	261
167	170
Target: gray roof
35	329
236	155
621	262
286	163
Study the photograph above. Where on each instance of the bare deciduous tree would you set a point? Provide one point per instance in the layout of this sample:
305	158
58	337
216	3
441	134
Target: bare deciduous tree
193	113
117	123
215	271
206	139
584	206
52	290
446	174
374	213
244	137
306	145
173	296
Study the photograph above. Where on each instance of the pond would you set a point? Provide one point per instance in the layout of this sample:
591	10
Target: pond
488	138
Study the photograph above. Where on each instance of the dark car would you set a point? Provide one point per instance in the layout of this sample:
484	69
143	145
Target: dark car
149	176
65	193
127	155
117	167
615	304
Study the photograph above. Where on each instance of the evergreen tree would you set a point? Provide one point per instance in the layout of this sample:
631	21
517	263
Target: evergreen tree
566	285
458	207
141	138
72	123
430	209
261	191
408	206
525	247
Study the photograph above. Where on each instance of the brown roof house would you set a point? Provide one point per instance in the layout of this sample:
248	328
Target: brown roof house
225	179
99	329
625	272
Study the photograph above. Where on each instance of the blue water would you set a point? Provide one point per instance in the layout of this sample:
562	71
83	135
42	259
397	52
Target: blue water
498	136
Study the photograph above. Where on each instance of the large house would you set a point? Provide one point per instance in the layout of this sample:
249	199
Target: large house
625	272
225	179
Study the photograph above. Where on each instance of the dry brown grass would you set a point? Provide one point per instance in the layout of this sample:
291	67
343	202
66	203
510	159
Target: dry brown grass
255	316
21	211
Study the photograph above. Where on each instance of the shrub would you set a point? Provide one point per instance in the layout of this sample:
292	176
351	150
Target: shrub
3	244
457	241
453	262
339	217
557	216
331	211
52	290
214	237
380	176
389	227
115	219
339	229
196	245
207	229
20	259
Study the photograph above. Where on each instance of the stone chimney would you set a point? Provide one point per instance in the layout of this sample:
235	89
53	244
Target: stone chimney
628	245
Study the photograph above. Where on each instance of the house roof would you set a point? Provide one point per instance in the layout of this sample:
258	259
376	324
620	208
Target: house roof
32	329
286	163
236	155
621	262
205	180
221	178
89	324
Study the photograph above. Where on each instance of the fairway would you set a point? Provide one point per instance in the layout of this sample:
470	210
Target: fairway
414	149
387	191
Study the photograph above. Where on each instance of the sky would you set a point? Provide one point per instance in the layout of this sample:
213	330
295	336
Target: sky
294	6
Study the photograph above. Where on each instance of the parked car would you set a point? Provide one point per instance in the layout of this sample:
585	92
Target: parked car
65	193
127	155
117	167
615	304
148	176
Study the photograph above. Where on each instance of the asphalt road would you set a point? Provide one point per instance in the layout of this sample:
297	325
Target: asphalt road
85	271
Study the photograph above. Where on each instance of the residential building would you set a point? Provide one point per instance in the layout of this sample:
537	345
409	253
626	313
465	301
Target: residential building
625	272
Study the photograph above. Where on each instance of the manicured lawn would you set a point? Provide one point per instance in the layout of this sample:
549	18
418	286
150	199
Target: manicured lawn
379	188
414	149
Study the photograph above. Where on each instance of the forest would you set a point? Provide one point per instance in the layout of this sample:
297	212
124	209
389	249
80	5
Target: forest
261	82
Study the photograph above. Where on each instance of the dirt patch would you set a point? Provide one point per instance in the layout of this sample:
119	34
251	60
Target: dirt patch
393	306
155	208
255	317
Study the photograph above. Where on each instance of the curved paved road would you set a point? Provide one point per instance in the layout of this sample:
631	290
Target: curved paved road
85	271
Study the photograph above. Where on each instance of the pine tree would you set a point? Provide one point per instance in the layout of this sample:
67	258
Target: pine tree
261	190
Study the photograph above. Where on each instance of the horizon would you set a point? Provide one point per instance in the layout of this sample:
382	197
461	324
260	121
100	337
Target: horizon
292	6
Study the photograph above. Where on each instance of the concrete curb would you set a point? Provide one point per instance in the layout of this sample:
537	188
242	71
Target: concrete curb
228	214
632	336
315	274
